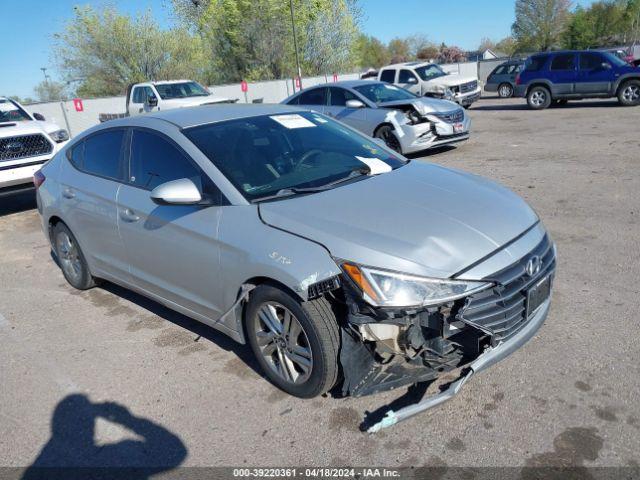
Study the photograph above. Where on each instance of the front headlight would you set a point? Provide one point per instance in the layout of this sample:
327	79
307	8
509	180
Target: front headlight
382	288
448	94
59	136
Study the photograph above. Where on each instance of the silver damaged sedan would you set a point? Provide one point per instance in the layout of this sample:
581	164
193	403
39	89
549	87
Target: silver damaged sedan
344	265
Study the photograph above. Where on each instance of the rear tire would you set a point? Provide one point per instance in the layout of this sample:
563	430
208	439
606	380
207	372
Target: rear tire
387	135
505	90
296	343
629	93
539	98
71	259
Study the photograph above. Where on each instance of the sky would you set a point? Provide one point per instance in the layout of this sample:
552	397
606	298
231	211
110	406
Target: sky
28	35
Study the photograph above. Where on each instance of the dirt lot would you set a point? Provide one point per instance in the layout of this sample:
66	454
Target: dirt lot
105	366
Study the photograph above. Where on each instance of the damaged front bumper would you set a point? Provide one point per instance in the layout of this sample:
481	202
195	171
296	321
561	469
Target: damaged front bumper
433	133
484	361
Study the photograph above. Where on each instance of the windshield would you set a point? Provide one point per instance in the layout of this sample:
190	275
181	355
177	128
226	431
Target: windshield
615	60
429	72
168	91
268	154
383	92
11	112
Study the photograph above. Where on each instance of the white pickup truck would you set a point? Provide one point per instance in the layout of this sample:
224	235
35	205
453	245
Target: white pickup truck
153	96
26	142
429	79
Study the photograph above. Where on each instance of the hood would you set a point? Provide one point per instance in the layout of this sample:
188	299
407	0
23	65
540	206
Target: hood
424	105
192	101
9	129
421	218
453	79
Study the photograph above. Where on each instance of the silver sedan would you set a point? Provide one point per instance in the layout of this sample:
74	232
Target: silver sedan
405	122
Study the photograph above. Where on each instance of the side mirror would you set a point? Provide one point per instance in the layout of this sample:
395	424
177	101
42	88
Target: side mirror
38	116
605	65
176	192
354	104
152	101
412	80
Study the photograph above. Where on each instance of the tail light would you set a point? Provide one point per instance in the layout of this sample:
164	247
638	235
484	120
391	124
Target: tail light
38	179
518	79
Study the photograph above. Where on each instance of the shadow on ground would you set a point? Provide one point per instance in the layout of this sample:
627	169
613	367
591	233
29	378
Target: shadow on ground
569	105
243	352
18	202
72	452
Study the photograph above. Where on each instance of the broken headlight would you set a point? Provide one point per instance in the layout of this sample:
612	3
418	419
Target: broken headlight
383	288
413	117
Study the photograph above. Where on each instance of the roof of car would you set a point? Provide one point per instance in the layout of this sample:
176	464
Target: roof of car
407	64
352	83
203	114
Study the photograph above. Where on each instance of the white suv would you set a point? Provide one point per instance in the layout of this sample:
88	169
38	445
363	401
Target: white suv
26	142
429	79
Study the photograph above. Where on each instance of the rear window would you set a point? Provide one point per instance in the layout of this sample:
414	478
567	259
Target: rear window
565	61
535	64
388	76
102	153
314	96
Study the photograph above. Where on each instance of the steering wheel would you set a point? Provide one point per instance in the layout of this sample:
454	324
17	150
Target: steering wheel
310	154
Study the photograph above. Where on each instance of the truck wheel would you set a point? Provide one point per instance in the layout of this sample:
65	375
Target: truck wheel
629	93
71	259
505	90
385	133
295	343
539	98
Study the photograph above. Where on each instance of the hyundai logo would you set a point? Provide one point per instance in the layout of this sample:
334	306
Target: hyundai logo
533	266
13	147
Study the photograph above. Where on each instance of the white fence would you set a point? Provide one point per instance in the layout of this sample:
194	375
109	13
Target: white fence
65	114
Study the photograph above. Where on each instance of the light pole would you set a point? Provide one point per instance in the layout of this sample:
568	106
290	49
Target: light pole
44	72
295	44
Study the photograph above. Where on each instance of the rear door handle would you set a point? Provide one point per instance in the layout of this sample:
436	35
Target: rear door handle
129	215
68	193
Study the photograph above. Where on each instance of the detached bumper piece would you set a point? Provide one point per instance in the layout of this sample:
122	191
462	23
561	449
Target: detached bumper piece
490	357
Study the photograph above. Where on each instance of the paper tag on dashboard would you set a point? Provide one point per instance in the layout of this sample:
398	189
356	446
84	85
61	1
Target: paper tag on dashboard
293	121
375	164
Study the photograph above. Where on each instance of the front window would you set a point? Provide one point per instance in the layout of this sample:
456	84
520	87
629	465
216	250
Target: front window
275	154
168	91
429	72
382	92
11	112
615	60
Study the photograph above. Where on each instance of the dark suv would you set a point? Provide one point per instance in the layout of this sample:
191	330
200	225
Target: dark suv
556	77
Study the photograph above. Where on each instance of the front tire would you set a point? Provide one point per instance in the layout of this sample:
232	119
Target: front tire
505	90
387	135
539	98
629	93
71	259
296	343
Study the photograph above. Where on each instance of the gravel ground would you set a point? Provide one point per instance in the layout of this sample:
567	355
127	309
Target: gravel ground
107	377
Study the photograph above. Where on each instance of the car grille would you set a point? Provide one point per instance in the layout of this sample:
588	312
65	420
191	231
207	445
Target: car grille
24	146
501	310
456	116
468	87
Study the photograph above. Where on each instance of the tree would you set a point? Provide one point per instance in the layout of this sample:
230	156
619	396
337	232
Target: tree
399	50
49	91
486	44
507	45
418	42
106	51
540	23
451	54
428	53
370	52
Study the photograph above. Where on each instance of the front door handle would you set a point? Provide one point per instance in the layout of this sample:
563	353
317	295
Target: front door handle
68	193
129	215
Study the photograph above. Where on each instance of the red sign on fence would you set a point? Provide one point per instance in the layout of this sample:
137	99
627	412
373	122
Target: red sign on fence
335	77
298	82
244	86
77	103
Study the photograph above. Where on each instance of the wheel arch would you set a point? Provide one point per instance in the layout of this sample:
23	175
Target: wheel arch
624	79
539	83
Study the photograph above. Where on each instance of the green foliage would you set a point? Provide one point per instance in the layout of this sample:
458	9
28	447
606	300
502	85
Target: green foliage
507	45
370	52
105	51
539	23
49	91
399	50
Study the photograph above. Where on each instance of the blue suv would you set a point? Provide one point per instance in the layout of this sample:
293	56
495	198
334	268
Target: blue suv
556	77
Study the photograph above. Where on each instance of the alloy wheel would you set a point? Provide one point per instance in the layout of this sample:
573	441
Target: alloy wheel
538	98
631	93
505	91
69	256
283	343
